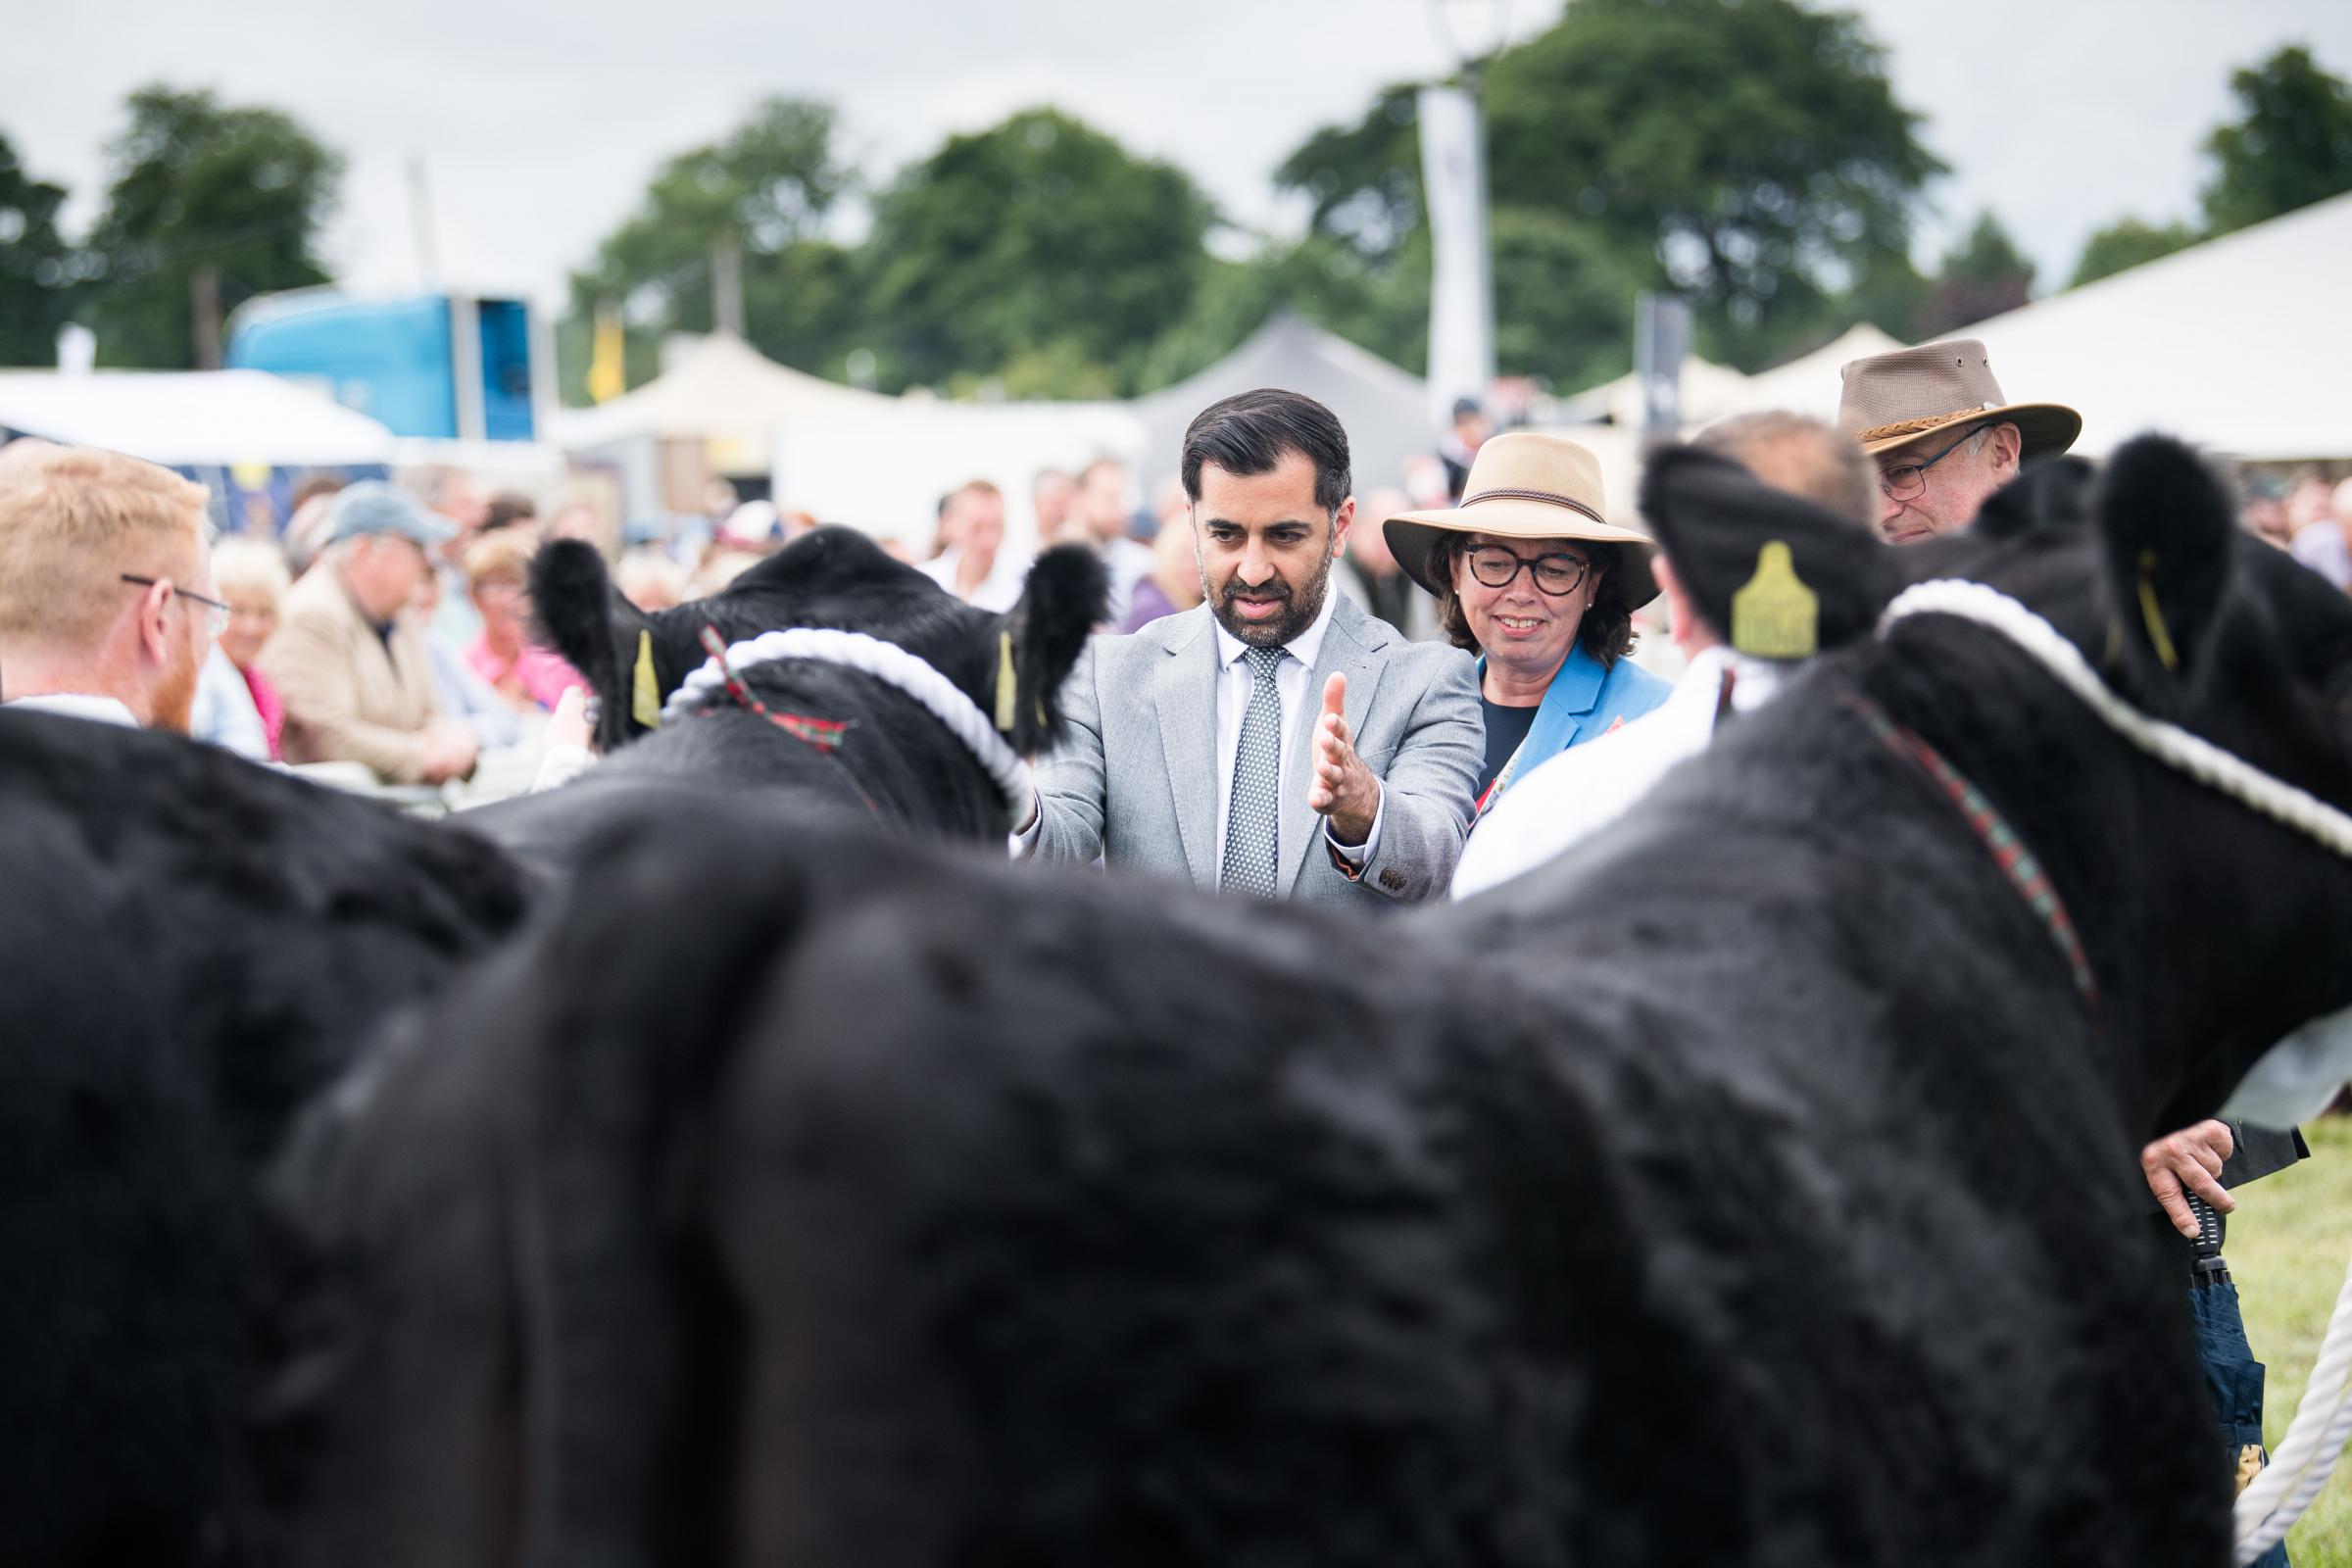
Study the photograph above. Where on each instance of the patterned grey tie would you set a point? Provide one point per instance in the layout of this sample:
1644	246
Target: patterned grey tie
1253	811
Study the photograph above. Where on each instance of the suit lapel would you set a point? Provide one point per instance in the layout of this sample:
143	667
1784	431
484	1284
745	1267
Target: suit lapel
1351	647
1184	695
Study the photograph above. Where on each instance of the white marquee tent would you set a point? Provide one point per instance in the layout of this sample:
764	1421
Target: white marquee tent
722	389
193	419
883	468
2242	344
1384	410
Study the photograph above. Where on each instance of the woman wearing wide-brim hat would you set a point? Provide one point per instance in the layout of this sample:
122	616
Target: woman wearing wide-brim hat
1529	575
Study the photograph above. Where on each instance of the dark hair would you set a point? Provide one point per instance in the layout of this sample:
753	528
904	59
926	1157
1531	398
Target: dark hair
507	509
1606	632
1249	433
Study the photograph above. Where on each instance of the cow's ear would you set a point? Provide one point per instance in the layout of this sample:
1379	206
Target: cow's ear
2168	532
1040	639
2052	493
1788	576
588	621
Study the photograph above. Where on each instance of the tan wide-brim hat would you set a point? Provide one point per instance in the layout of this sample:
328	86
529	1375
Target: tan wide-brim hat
1527	486
1892	401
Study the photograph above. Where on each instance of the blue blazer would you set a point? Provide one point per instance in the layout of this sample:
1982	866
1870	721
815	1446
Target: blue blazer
1581	702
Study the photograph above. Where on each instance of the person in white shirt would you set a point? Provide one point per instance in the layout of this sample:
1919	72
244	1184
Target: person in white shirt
1582	790
107	605
976	567
1100	513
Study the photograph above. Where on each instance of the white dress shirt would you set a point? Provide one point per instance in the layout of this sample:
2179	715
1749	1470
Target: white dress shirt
1587	787
73	705
996	593
1292	678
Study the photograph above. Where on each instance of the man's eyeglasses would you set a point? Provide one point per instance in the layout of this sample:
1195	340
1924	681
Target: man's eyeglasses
1908	481
216	613
1556	575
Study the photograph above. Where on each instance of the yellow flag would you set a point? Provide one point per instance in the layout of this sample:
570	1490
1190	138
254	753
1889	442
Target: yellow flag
608	377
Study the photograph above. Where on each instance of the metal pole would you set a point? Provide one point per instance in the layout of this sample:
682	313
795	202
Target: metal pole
420	223
726	288
205	295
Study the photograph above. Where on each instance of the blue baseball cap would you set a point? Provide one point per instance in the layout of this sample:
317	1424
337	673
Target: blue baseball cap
374	507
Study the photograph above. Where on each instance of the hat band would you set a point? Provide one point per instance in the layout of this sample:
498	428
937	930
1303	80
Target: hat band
1550	497
1885	432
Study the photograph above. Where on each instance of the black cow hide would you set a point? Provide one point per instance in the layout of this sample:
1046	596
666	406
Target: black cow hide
1752	1185
189	946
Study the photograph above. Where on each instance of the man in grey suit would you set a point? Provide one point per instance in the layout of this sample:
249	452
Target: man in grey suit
1195	746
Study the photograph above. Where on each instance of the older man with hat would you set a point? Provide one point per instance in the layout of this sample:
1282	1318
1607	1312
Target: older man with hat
348	658
1530	576
1942	434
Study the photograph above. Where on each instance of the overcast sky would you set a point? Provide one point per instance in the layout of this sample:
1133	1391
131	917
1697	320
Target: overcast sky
537	132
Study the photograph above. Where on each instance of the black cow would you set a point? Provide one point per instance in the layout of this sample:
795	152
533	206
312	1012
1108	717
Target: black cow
189	948
1754	1185
895	761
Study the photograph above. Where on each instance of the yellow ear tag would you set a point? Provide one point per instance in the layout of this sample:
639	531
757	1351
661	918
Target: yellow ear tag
645	698
2159	636
1776	616
1005	682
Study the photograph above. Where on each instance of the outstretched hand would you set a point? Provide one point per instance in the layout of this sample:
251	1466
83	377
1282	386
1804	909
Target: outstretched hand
1343	787
2189	1159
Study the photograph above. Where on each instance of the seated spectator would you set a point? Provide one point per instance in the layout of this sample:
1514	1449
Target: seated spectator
107	607
236	706
350	656
463	694
498	574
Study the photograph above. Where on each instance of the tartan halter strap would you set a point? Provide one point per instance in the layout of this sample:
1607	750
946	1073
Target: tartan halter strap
2017	863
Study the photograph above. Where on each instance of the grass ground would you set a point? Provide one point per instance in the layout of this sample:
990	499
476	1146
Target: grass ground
2288	1244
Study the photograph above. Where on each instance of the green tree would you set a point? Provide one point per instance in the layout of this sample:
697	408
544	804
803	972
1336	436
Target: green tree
194	184
2291	146
37	267
1035	233
2124	244
766	189
1747	153
1563	299
1981	277
1384	308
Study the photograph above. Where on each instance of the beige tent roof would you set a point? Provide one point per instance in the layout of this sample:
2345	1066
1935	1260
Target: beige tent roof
1808	383
723	390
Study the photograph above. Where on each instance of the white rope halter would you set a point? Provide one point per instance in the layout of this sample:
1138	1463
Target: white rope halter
2315	1440
887	662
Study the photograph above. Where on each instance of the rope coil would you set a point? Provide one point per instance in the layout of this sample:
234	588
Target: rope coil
887	662
2322	1422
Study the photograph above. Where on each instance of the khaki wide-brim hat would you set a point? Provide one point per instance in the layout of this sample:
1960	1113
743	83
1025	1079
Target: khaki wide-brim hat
1527	486
1905	398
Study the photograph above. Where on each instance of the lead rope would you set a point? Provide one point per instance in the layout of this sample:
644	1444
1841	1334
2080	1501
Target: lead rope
2323	1423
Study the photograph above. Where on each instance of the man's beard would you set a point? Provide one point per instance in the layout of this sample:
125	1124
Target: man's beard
175	697
1301	607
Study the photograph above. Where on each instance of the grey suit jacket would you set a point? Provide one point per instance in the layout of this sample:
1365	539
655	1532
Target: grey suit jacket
1136	782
